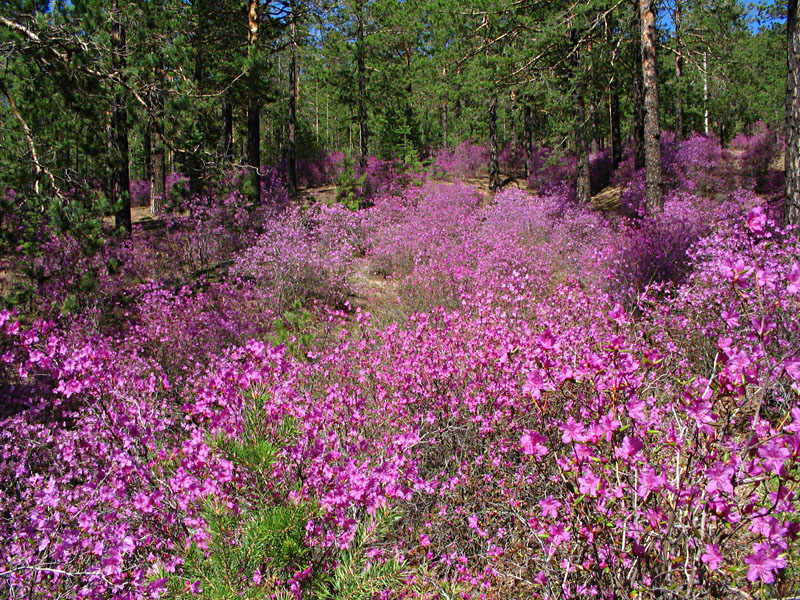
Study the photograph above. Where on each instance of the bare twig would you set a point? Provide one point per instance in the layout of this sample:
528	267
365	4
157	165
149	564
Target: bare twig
39	169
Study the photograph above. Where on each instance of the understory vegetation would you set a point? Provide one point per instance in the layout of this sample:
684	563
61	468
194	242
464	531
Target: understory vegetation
554	402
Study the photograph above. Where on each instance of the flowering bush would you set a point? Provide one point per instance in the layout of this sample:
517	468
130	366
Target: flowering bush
756	152
464	161
320	171
512	159
576	406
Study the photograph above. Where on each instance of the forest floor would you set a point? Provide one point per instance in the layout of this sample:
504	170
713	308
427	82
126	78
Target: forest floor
381	296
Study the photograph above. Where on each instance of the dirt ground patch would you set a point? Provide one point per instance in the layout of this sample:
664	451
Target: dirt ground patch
608	199
376	294
779	162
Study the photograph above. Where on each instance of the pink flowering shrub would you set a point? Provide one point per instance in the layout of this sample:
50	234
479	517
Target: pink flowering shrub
655	248
303	255
698	165
549	173
320	171
140	192
464	161
756	152
512	159
574	407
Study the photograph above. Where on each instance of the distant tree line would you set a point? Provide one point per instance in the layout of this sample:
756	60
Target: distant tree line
94	94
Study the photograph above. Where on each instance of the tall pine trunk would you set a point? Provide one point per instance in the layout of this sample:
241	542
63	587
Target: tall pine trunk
583	186
158	171
494	166
594	124
792	207
583	191
652	127
254	149
444	124
528	137
363	131
293	93
147	159
638	91
120	178
158	174
253	112
706	127
227	127
614	129
678	73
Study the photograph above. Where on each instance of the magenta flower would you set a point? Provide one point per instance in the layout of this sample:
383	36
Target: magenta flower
794	280
712	556
775	455
589	483
763	563
649	481
794	426
630	447
533	444
756	219
719	479
572	431
549	506
792	367
617	314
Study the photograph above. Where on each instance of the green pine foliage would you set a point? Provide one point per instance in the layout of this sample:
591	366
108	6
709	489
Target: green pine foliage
252	550
293	329
356	576
350	187
263	539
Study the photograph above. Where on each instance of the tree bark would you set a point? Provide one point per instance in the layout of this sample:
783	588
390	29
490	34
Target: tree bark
494	167
638	91
615	130
528	139
362	87
594	145
678	73
444	125
146	147
227	127
614	133
158	171
792	206
253	111
254	148
583	186
120	177
706	128
652	128
293	94
158	175
583	191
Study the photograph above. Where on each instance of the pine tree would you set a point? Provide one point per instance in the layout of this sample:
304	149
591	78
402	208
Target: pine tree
792	209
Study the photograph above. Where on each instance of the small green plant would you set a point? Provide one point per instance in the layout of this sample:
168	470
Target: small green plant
349	188
292	330
253	549
248	549
247	552
356	577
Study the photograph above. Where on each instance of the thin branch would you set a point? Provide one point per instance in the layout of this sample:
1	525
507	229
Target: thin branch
39	169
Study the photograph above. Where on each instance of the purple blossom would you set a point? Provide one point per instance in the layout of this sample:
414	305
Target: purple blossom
712	556
763	563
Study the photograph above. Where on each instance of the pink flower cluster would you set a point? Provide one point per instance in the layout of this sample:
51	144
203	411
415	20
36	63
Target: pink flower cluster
576	406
